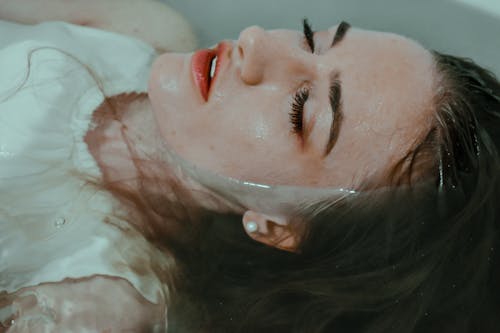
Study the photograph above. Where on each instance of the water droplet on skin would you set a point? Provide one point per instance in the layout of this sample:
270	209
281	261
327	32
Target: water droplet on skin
169	84
60	222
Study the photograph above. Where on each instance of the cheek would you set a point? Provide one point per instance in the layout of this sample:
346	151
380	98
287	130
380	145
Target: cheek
241	141
169	88
243	133
254	116
238	129
257	128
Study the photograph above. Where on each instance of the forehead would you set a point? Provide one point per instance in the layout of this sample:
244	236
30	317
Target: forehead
387	60
387	90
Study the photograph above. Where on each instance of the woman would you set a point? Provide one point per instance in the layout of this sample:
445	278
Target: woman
365	187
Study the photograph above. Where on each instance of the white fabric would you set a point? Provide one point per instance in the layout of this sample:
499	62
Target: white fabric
52	222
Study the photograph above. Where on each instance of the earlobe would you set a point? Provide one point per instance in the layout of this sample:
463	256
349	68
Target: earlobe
270	230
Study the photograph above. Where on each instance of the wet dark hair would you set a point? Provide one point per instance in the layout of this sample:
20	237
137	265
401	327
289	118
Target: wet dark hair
420	257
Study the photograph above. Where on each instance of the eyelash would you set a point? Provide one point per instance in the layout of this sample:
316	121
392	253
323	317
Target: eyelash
297	112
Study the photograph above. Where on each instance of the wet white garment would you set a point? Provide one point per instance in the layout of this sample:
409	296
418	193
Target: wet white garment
53	224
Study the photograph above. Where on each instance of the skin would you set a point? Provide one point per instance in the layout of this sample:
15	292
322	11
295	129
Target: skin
243	130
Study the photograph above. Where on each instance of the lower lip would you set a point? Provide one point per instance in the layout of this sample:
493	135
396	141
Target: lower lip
201	62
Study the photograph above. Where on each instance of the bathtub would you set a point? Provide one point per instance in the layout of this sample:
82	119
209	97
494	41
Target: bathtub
469	28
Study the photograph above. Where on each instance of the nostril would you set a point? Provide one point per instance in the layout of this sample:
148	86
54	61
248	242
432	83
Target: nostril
240	52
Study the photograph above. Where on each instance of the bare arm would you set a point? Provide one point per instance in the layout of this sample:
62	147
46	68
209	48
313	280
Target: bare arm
149	20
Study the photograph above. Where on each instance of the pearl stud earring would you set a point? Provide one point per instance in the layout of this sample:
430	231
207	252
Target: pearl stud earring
251	226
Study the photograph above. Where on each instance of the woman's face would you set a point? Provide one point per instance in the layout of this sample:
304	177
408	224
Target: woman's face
278	113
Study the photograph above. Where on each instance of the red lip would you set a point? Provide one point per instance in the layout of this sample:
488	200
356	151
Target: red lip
200	67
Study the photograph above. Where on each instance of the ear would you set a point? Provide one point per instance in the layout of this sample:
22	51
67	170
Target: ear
271	230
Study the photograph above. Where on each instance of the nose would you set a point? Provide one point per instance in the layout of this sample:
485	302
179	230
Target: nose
257	51
252	50
270	56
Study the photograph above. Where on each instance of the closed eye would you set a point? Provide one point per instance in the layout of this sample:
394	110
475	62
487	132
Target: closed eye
299	100
308	34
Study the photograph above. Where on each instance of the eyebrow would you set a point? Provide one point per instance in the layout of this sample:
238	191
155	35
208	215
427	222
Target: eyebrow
340	33
335	97
335	93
